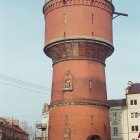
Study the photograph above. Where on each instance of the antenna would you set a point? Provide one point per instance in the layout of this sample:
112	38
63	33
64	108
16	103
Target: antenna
119	14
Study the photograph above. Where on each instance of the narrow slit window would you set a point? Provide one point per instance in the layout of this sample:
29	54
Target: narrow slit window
90	84
64	34
65	18
92	33
92	18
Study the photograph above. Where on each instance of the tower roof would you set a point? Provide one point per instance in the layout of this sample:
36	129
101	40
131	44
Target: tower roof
134	89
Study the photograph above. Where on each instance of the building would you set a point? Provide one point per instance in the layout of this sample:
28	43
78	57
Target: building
133	110
117	118
10	130
43	125
78	39
125	115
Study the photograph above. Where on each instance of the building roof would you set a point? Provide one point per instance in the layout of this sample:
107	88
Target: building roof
115	103
15	128
2	120
134	89
5	124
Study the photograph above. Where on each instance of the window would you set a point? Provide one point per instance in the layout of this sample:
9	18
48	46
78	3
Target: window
134	115
134	128
90	84
115	131
133	102
92	16
64	34
65	18
114	116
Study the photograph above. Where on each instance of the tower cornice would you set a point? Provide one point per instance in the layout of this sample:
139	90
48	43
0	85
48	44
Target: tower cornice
54	4
79	48
69	38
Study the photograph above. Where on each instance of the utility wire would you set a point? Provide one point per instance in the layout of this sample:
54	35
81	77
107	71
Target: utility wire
24	83
24	88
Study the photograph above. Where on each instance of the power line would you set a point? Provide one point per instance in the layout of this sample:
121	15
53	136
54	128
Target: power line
21	82
11	79
24	88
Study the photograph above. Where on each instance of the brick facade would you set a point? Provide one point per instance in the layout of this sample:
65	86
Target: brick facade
78	39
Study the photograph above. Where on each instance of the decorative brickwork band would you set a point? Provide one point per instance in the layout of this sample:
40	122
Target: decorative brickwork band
79	102
78	49
51	5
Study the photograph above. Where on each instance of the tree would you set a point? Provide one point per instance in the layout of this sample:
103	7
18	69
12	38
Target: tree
28	129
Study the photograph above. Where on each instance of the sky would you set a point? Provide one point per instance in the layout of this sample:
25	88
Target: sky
22	56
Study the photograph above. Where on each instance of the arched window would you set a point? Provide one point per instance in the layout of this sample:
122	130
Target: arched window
93	137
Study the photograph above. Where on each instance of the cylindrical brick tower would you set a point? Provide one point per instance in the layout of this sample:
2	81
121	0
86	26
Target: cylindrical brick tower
78	39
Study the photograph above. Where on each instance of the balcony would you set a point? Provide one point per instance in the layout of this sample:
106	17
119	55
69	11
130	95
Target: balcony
115	122
42	126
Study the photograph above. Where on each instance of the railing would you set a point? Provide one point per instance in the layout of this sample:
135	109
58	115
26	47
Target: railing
41	125
115	122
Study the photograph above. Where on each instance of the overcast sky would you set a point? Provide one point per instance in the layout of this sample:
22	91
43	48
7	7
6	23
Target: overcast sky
22	57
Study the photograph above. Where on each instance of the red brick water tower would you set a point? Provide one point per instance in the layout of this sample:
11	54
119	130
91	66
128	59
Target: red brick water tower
78	39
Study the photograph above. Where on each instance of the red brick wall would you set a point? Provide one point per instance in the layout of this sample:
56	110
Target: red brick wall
82	108
78	22
82	72
79	121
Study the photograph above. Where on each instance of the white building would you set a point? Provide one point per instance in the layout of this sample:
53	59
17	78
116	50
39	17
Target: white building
125	115
43	125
